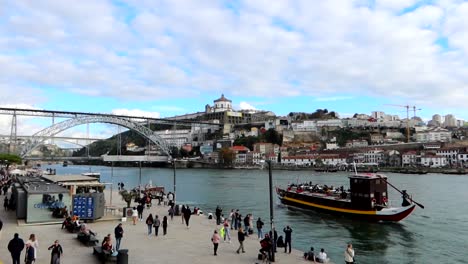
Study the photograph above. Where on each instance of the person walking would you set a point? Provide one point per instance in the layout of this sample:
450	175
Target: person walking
218	215
156	225
34	243
287	238
241	238
134	215
140	209
349	254
227	231
5	203
232	216
15	246
182	213
239	221
118	233
259	228
215	239
171	212
247	224
186	215
56	252
164	224
236	219
1	226
29	256
149	223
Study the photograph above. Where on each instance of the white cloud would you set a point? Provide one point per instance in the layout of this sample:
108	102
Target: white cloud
246	106
333	98
167	49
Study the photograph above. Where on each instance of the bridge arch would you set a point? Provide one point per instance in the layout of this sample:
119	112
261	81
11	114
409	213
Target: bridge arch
41	136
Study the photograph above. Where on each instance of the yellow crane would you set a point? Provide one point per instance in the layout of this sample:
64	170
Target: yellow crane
407	117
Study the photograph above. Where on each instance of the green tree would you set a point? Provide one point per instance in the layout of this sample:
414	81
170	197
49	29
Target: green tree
128	196
9	159
272	136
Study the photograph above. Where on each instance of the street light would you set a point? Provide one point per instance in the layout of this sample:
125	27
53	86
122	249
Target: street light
174	170
270	180
139	181
112	181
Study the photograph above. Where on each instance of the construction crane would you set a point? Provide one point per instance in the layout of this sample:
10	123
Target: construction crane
407	117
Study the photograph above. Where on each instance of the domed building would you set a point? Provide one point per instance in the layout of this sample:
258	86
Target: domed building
220	105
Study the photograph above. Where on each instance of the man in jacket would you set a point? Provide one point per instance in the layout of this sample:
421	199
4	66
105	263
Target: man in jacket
218	215
15	247
118	232
259	228
29	257
287	239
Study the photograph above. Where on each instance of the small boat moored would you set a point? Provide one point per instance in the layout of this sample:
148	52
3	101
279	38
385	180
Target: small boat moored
92	174
366	199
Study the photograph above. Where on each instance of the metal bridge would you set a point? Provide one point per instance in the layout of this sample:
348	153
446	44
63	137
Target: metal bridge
135	123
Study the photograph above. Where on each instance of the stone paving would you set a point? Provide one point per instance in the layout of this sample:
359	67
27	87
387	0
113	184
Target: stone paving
180	245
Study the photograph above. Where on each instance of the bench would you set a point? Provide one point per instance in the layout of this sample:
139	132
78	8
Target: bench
104	256
88	240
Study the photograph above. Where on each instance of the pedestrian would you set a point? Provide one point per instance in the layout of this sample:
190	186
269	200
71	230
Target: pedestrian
232	216
227	231
215	239
186	216
122	186
5	203
140	209
241	238
164	225
171	212
29	256
15	246
182	213
134	215
287	238
34	243
156	225
259	228
118	184
239	220
349	254
118	233
236	219
273	237
149	223
1	226
218	212
247	224
56	252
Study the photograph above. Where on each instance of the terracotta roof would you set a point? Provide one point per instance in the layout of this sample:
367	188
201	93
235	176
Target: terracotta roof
240	148
222	99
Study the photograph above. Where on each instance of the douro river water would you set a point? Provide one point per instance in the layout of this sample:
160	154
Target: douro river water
436	234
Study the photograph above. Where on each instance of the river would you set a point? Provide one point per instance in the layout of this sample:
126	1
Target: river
436	234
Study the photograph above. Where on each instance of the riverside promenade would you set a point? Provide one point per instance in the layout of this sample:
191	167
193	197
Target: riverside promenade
180	245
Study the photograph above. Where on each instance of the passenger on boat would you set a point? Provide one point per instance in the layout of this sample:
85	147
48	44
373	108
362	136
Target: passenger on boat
406	198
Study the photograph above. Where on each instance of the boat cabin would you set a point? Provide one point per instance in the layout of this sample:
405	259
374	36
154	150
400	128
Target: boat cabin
368	191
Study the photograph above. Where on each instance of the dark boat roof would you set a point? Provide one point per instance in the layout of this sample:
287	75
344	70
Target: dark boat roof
367	176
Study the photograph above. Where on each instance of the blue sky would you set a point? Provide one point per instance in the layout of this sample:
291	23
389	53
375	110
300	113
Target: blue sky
164	58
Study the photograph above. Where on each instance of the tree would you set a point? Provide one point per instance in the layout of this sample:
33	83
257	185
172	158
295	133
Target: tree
226	155
9	159
128	196
272	136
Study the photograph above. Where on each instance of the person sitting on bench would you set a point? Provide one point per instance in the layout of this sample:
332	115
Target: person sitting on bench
86	230
266	246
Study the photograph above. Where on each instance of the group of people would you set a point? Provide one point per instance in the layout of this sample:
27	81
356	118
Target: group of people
17	245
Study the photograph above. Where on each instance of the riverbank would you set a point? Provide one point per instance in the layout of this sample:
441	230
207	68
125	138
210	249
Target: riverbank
181	244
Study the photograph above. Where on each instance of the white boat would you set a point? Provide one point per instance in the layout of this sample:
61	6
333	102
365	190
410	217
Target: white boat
92	174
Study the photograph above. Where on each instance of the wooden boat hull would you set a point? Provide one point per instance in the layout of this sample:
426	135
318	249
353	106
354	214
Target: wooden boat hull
343	208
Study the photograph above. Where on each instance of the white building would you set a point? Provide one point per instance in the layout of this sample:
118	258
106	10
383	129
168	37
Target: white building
409	158
306	160
330	123
332	145
333	159
307	125
175	137
462	158
433	135
378	115
355	143
433	161
374	156
450	121
451	154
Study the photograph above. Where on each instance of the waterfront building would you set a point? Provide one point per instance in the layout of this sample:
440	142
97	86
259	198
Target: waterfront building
409	158
332	145
451	154
240	153
301	160
392	158
433	161
374	156
376	139
333	159
357	143
462	158
436	134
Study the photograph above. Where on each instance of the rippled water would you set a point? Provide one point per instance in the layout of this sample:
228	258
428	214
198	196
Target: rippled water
436	234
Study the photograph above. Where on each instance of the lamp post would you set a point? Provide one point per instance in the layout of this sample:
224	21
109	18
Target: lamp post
270	181
139	181
112	181
174	170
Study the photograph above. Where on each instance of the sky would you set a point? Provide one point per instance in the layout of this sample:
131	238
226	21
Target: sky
164	58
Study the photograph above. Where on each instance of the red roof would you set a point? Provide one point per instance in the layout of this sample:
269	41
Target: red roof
222	99
240	148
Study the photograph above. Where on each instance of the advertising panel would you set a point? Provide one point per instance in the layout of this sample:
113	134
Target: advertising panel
206	149
40	206
83	206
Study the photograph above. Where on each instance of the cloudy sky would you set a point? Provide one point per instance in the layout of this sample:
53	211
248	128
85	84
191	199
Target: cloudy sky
164	58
